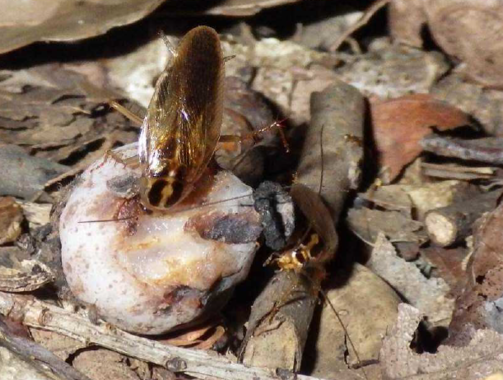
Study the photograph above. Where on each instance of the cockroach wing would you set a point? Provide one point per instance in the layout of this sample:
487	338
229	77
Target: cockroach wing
312	206
182	126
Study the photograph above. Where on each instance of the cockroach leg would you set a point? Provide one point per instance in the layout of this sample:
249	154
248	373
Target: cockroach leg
125	112
132	162
232	142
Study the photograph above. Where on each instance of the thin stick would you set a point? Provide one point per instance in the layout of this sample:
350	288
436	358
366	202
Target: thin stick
197	363
33	353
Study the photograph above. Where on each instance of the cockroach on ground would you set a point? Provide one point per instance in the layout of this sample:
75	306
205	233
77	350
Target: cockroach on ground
181	130
316	246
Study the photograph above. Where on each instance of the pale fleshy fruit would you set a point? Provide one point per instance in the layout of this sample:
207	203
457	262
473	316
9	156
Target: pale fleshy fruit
149	273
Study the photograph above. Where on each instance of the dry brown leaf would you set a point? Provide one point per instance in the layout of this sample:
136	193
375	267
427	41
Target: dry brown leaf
202	337
29	275
391	70
406	19
400	124
430	295
25	22
363	296
481	358
11	216
448	262
218	333
481	302
103	364
368	224
483	104
60	345
469	30
232	8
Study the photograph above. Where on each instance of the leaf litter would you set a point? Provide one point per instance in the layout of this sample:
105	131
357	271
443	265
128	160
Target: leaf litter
52	127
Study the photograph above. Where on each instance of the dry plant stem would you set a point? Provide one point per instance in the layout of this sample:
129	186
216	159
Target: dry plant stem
483	150
34	353
276	337
452	224
200	364
361	22
338	111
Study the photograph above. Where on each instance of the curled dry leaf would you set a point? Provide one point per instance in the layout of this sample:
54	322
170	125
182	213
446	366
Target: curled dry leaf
485	105
480	304
479	360
31	276
415	200
11	216
202	337
287	73
25	22
470	30
400	124
430	295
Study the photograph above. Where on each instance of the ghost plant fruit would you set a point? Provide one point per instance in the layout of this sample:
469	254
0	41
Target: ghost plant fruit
149	272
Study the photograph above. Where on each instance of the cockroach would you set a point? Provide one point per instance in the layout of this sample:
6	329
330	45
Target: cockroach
320	236
181	130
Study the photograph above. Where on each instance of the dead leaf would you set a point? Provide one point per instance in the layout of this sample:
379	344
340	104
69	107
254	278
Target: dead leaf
24	175
37	214
406	19
31	275
400	124
367	224
202	337
448	263
483	104
474	38
392	70
231	8
11	216
103	364
481	302
25	22
481	358
60	345
430	295
363	296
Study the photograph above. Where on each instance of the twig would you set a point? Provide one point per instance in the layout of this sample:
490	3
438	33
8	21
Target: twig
453	223
31	351
488	150
200	364
281	315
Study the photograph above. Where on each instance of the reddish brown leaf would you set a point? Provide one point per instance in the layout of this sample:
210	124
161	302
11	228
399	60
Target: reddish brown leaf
448	262
399	124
